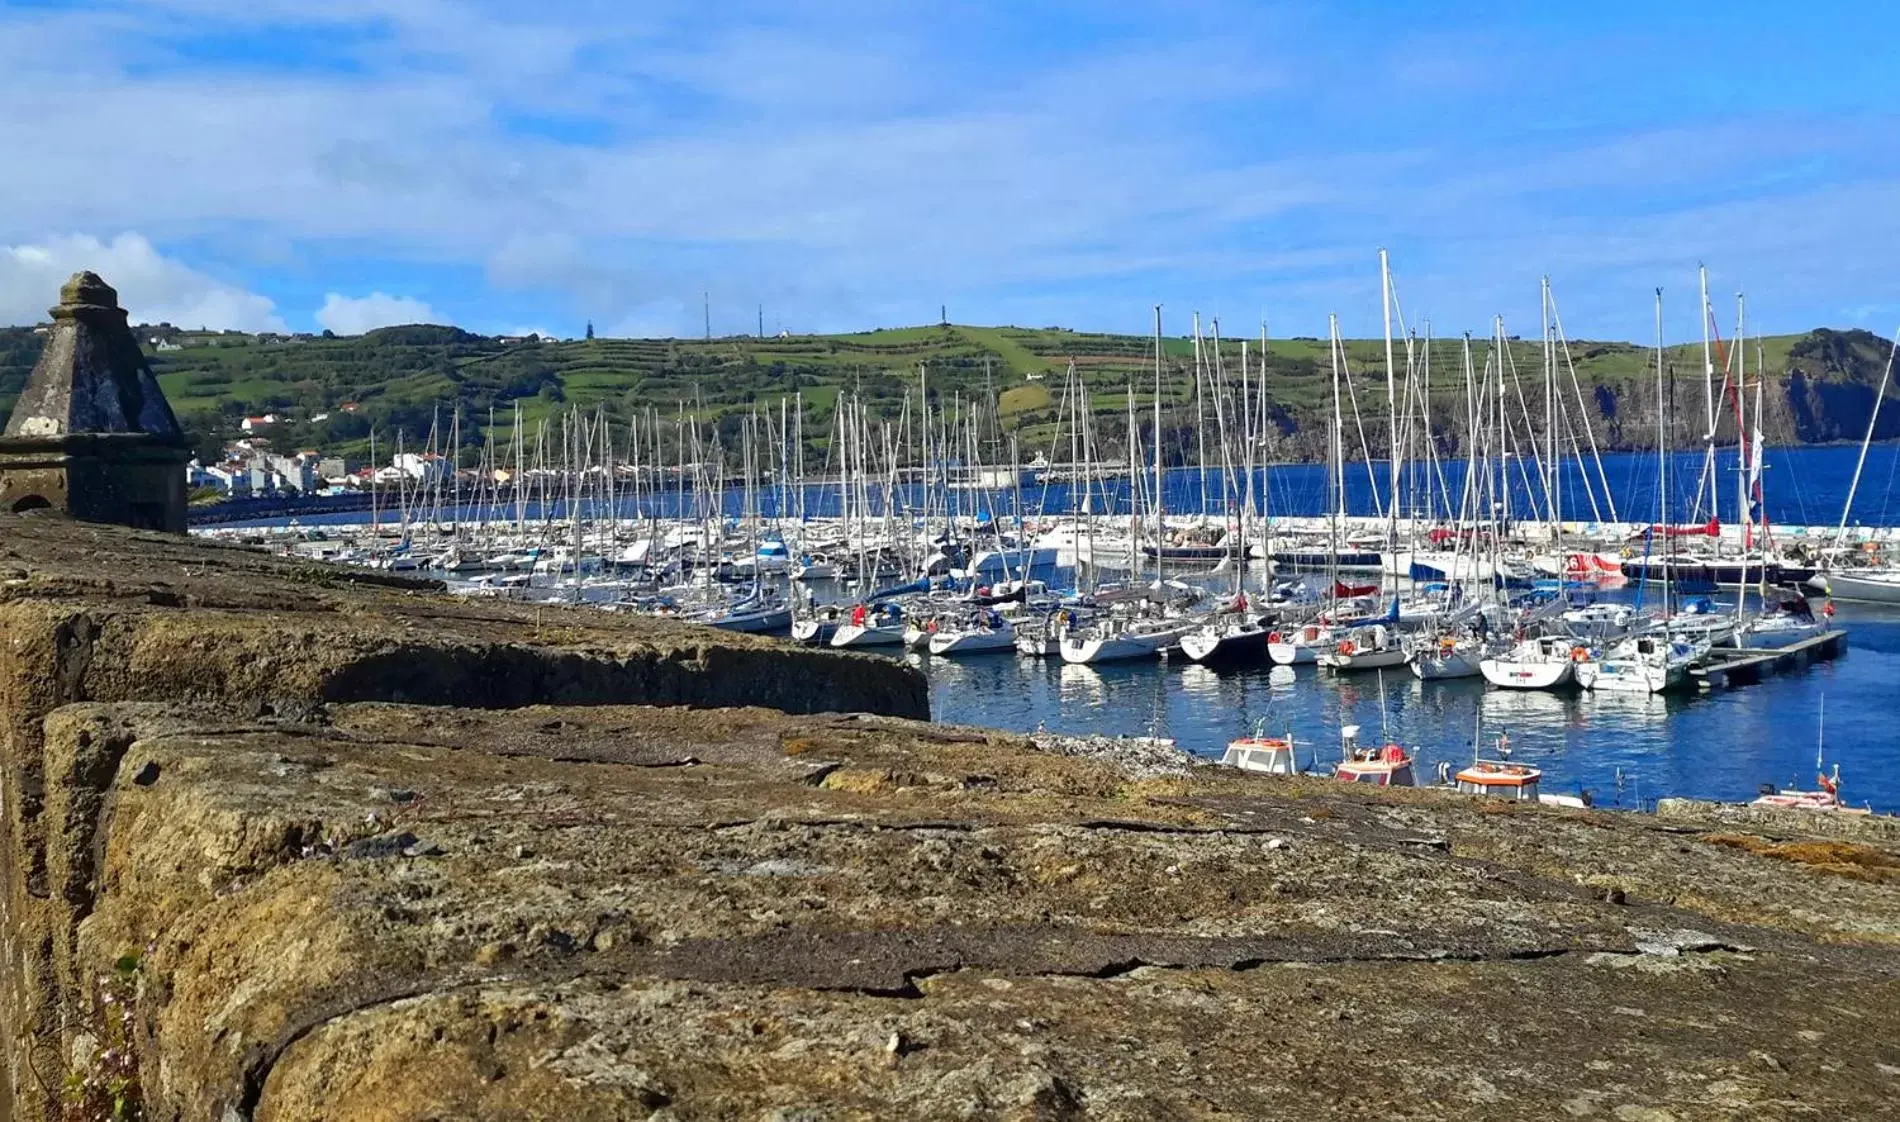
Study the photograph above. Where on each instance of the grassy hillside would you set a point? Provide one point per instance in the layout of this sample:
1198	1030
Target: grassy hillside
410	379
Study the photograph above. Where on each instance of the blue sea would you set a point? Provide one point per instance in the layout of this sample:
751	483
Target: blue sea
1800	486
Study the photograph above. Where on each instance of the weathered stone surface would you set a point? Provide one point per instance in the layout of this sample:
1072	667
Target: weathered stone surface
91	434
621	910
345	908
90	612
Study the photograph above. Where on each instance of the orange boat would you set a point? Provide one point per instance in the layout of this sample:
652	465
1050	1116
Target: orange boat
1270	754
1388	766
1500	779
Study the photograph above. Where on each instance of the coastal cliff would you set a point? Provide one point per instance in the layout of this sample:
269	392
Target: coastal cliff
283	842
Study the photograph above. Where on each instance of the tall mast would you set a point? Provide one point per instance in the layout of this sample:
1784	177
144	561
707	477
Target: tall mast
1338	456
1742	516
1391	397
1200	415
1662	452
1708	398
1550	420
1873	418
1159	574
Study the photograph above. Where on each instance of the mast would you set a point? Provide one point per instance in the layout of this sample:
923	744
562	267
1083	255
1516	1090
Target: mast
375	518
1708	400
1200	412
1741	455
1553	482
1873	418
1662	454
1260	422
1391	399
1338	451
1159	561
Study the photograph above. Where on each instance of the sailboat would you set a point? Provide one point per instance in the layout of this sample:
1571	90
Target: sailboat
983	631
1371	647
880	625
1386	766
1116	636
1653	662
1232	637
1235	635
1656	660
1861	574
1828	795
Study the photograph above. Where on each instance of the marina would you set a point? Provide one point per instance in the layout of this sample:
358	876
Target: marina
1473	594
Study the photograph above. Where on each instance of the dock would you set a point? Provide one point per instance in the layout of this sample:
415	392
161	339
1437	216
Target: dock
1747	665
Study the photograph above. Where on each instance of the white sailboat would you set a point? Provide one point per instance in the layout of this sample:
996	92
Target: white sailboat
1364	648
1649	663
983	633
882	626
1447	656
1866	577
1547	662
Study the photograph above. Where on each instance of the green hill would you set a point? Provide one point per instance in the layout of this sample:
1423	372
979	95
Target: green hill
411	379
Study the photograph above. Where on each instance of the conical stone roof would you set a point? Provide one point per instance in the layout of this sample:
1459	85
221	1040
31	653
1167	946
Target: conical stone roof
92	377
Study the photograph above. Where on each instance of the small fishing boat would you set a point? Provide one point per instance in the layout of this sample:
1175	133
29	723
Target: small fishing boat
1826	797
1271	755
1386	766
1499	779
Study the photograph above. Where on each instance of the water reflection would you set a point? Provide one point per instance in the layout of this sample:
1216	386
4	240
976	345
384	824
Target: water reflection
1720	744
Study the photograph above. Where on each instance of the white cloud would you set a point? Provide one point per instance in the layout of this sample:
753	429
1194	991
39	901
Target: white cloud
850	164
353	315
152	288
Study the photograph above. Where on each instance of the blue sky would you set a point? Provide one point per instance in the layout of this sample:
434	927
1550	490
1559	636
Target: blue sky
514	166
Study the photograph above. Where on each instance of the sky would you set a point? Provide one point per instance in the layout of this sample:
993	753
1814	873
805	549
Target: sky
274	165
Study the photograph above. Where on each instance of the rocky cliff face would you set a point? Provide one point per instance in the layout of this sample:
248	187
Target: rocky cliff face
95	613
1822	389
304	905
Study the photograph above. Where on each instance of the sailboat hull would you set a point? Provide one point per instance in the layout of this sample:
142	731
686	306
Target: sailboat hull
1228	647
1437	665
755	623
854	636
1292	654
951	643
816	632
1528	675
1620	676
1875	588
1116	648
1359	661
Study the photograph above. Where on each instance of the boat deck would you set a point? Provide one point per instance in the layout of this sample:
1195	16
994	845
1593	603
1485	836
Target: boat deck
1749	664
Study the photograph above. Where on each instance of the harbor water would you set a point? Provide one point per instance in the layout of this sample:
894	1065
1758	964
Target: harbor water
1625	749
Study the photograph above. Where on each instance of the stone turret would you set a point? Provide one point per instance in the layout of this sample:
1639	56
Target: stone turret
92	435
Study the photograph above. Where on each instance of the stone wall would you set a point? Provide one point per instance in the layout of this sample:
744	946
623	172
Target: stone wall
96	613
293	826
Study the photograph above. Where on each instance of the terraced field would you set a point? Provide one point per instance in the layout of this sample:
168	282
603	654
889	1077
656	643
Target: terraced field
413	379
